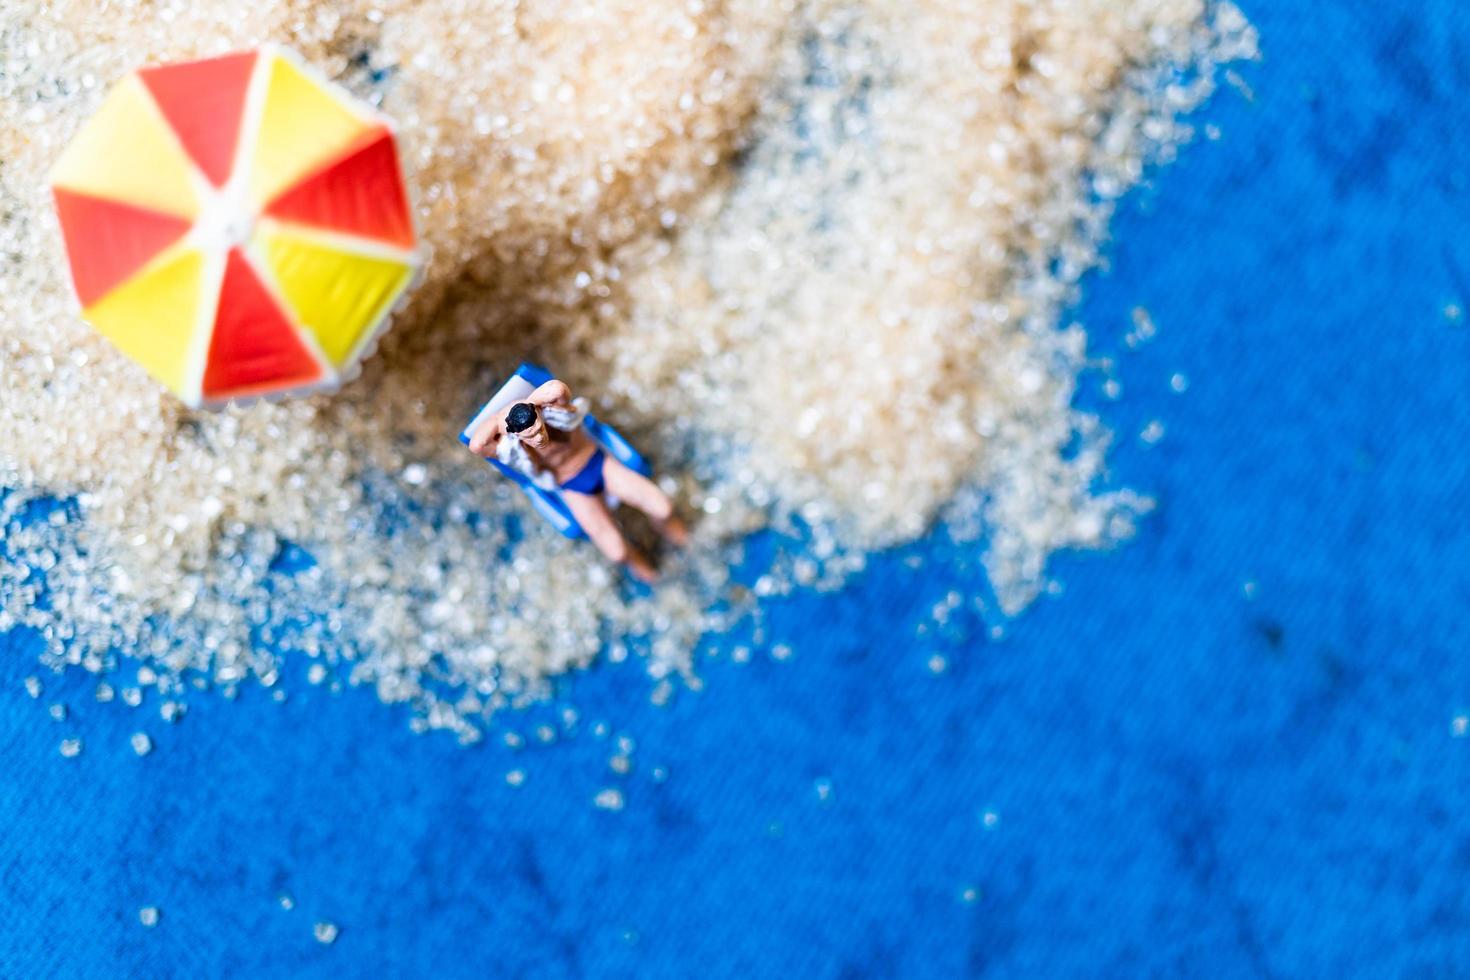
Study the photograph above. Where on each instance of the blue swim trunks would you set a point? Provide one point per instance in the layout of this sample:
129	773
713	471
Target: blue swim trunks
588	479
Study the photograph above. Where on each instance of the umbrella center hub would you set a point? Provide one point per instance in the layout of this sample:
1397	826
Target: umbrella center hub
226	222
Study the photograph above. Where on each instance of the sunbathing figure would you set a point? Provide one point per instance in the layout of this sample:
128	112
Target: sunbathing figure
542	438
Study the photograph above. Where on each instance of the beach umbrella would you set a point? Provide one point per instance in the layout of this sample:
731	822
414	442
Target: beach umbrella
238	226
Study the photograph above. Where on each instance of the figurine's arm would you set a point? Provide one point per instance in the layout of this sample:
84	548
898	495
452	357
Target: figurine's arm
553	392
488	434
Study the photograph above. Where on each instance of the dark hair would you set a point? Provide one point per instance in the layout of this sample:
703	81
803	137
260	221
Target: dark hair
521	416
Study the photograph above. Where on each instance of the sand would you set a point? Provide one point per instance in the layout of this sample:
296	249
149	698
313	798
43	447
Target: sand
815	258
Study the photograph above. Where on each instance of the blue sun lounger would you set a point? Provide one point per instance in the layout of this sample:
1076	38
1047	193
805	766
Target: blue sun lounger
549	503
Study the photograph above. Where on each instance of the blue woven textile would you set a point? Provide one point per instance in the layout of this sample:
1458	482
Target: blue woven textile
1181	780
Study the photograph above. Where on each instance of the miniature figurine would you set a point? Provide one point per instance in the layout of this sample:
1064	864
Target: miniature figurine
574	468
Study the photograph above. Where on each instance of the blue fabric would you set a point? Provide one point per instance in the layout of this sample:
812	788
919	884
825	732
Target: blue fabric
1185	781
589	478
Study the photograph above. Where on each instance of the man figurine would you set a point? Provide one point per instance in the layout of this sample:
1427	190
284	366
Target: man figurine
543	438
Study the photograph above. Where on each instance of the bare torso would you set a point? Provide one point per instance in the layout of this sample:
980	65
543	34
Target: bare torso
565	453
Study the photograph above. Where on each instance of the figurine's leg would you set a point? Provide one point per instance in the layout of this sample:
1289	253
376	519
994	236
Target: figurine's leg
637	490
592	513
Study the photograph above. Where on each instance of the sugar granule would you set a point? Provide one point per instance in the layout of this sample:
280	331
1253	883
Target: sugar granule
866	211
610	798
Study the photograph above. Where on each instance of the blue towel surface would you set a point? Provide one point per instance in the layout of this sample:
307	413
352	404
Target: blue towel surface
1150	774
